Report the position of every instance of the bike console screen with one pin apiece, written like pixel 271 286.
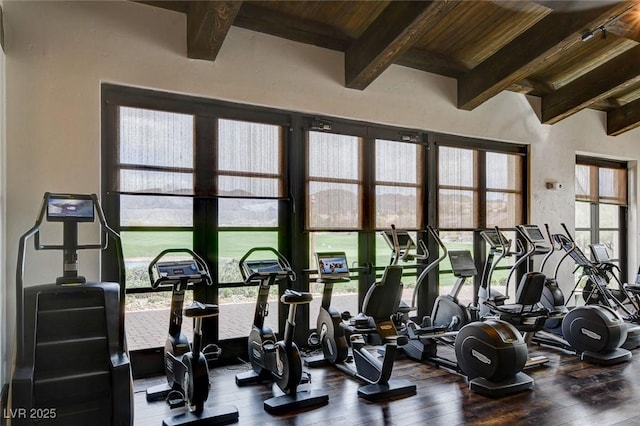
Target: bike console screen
pixel 332 265
pixel 263 266
pixel 178 269
pixel 69 208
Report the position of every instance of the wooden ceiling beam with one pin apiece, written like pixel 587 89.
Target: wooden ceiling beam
pixel 264 20
pixel 623 119
pixel 175 5
pixel 208 23
pixel 395 30
pixel 618 73
pixel 434 63
pixel 552 35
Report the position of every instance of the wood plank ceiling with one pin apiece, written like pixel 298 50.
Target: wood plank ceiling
pixel 571 54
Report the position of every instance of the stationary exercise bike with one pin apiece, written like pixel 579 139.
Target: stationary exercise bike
pixel 186 367
pixel 271 359
pixel 372 326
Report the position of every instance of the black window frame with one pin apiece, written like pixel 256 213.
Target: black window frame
pixel 293 237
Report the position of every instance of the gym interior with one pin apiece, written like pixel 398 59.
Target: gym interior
pixel 269 140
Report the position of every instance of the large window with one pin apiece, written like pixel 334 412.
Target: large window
pixel 601 200
pixel 398 181
pixel 155 163
pixel 334 180
pixel 190 178
pixel 222 178
pixel 249 182
pixel 480 186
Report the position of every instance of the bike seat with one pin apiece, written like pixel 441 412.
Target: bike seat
pixel 291 297
pixel 201 310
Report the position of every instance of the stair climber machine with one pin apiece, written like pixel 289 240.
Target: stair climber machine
pixel 373 326
pixel 491 354
pixel 186 365
pixel 272 359
pixel 595 333
pixel 71 361
pixel 596 291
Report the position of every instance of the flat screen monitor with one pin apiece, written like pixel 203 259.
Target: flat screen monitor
pixel 462 263
pixel 263 266
pixel 533 233
pixel 178 269
pixel 600 253
pixel 404 239
pixel 332 265
pixel 70 208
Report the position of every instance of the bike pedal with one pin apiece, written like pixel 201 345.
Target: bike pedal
pixel 212 352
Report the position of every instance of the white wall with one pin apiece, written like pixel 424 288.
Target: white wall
pixel 3 262
pixel 58 53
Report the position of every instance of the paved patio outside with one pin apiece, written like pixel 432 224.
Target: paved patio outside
pixel 148 328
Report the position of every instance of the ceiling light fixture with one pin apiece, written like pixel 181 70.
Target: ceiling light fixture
pixel 603 28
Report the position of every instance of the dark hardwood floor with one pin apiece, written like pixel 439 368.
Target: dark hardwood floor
pixel 567 391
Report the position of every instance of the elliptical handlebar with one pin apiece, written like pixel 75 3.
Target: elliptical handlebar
pixel 431 266
pixel 202 274
pixel 284 267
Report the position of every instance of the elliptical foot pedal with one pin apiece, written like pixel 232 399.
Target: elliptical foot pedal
pixel 518 383
pixel 393 389
pixel 222 415
pixel 299 401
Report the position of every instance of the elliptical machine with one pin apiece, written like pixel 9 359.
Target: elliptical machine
pixel 447 311
pixel 373 325
pixel 279 360
pixel 599 291
pixel 595 333
pixel 490 354
pixel 185 365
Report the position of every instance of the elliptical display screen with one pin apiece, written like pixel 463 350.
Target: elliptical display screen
pixel 492 238
pixel 462 263
pixel 70 208
pixel 332 265
pixel 534 233
pixel 600 253
pixel 404 239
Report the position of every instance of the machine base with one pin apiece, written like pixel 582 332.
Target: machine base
pixel 301 400
pixel 252 378
pixel 316 361
pixel 393 389
pixel 616 356
pixel 518 383
pixel 158 392
pixel 210 415
pixel 633 336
